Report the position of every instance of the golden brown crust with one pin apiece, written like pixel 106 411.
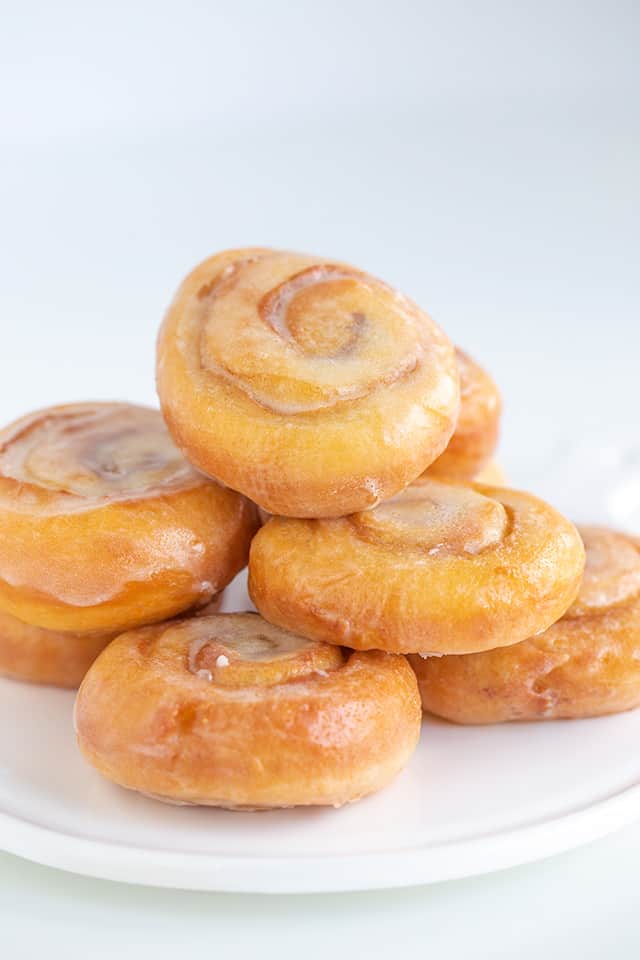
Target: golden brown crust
pixel 51 657
pixel 299 724
pixel 587 664
pixel 475 437
pixel 441 568
pixel 307 418
pixel 103 524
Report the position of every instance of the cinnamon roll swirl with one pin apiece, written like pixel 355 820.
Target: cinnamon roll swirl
pixel 230 711
pixel 104 525
pixel 308 385
pixel 441 568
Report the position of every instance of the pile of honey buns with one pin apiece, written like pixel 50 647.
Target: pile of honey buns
pixel 318 426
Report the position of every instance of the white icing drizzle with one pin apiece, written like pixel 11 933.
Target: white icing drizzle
pixel 439 517
pixel 94 452
pixel 276 316
pixel 246 319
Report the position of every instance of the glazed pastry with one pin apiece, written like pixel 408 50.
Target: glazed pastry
pixel 50 657
pixel 309 386
pixel 441 568
pixel 230 711
pixel 585 665
pixel 476 435
pixel 104 525
pixel 44 656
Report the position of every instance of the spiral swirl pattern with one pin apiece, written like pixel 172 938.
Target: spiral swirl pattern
pixel 104 525
pixel 300 337
pixel 436 519
pixel 310 386
pixel 231 711
pixel 91 452
pixel 237 651
pixel 440 568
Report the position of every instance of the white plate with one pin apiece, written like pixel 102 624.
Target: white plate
pixel 471 800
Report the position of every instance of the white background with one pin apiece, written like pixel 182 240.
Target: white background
pixel 483 157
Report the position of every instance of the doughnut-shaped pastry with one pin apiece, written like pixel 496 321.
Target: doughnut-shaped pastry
pixel 309 386
pixel 230 711
pixel 50 657
pixel 440 568
pixel 585 665
pixel 104 525
pixel 476 434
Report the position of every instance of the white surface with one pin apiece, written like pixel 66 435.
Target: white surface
pixel 536 789
pixel 483 157
pixel 577 906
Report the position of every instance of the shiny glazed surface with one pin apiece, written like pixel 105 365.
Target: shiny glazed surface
pixel 230 711
pixel 586 664
pixel 104 525
pixel 310 386
pixel 475 437
pixel 441 568
pixel 53 657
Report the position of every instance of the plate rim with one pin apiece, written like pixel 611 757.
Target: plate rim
pixel 312 873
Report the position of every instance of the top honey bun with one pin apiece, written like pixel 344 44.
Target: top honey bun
pixel 310 386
